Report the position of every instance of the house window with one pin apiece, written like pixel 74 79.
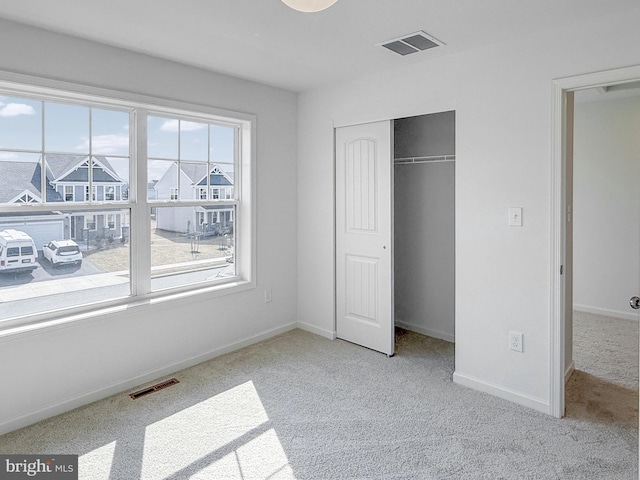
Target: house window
pixel 86 193
pixel 189 153
pixel 215 193
pixel 90 222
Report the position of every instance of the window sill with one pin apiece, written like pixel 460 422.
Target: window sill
pixel 43 323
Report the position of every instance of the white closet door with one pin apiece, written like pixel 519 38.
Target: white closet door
pixel 364 268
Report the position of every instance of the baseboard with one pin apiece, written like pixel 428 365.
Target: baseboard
pixel 136 381
pixel 331 335
pixel 426 331
pixel 606 312
pixel 502 392
pixel 570 369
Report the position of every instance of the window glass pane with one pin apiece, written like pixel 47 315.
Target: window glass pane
pixel 20 124
pixel 21 180
pixel 194 141
pixel 109 132
pixel 193 178
pixel 223 147
pixel 66 128
pixel 192 245
pixel 78 266
pixel 162 138
pixel 115 178
pixel 163 180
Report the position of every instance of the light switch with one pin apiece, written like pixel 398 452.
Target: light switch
pixel 515 216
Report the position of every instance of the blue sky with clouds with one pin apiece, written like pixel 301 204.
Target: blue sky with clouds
pixel 67 129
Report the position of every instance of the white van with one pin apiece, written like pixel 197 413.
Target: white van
pixel 17 252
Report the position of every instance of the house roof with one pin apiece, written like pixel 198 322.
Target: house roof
pixel 197 173
pixel 17 178
pixel 67 168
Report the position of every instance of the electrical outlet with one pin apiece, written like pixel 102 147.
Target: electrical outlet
pixel 267 295
pixel 515 341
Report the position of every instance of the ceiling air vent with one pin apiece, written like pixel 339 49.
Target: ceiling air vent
pixel 412 43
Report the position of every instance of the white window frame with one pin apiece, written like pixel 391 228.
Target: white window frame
pixel 106 220
pixel 94 218
pixel 140 106
pixel 173 193
pixel 73 192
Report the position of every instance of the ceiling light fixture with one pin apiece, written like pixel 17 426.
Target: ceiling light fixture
pixel 309 6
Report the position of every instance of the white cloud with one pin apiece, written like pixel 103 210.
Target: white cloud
pixel 107 144
pixel 172 126
pixel 15 109
pixel 7 156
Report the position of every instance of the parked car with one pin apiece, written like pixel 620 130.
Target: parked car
pixel 17 252
pixel 60 252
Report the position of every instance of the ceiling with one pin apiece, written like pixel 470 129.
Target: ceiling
pixel 265 41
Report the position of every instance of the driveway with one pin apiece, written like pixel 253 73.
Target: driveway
pixel 46 271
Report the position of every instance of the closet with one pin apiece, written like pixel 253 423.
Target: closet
pixel 424 224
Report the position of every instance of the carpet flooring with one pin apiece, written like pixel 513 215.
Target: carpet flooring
pixel 300 406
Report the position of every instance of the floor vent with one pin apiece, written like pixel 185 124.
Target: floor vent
pixel 153 388
pixel 412 43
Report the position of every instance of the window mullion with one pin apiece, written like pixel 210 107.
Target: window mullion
pixel 140 212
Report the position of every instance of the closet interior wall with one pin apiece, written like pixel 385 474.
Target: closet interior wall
pixel 424 236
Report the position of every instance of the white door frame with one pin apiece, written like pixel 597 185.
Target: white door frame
pixel 558 208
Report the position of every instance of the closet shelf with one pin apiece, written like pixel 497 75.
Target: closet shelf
pixel 436 158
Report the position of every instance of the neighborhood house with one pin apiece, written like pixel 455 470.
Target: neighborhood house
pixel 67 180
pixel 190 183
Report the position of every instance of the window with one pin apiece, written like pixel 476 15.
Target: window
pixel 74 151
pixel 86 193
pixel 187 158
pixel 90 222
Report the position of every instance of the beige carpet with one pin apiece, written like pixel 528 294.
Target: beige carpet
pixel 604 386
pixel 300 406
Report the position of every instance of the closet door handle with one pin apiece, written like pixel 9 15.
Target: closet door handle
pixel 635 303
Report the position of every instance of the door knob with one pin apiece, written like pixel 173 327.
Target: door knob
pixel 635 302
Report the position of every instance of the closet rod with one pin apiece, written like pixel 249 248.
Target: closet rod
pixel 436 158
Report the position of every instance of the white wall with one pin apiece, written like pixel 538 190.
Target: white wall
pixel 502 98
pixel 606 218
pixel 424 248
pixel 55 369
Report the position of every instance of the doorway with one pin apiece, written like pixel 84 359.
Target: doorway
pixel 424 224
pixel 395 229
pixel 562 223
pixel 605 255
